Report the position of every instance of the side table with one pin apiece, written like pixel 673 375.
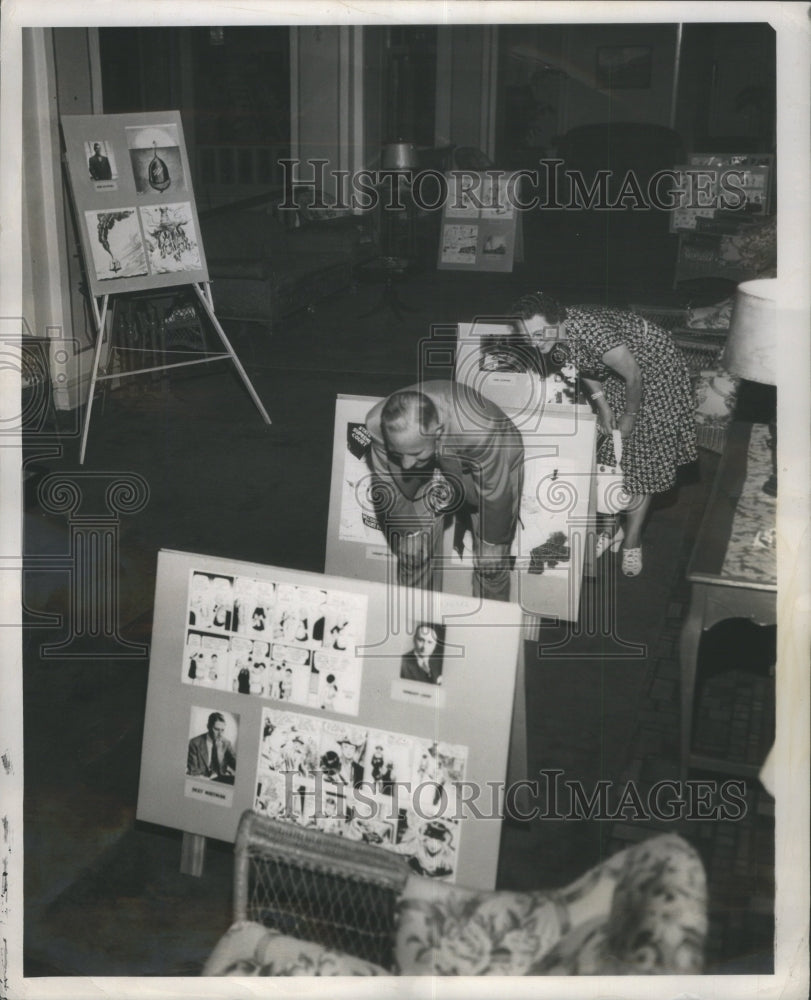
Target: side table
pixel 719 591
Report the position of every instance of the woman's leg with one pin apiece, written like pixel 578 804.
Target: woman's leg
pixel 634 519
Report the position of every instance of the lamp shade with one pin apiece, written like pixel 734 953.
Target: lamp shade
pixel 400 156
pixel 751 347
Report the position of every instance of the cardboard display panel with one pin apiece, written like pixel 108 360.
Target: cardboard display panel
pixel 342 704
pixel 135 209
pixel 481 226
pixel 556 513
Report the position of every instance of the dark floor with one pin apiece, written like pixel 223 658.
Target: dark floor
pixel 103 894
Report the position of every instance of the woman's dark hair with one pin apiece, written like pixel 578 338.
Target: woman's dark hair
pixel 537 303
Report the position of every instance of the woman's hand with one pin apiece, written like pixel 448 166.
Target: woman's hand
pixel 606 420
pixel 625 425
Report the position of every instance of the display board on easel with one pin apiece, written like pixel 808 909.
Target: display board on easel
pixel 555 517
pixel 312 683
pixel 133 197
pixel 482 226
pixel 135 207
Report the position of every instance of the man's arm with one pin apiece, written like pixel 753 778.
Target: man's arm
pixel 498 458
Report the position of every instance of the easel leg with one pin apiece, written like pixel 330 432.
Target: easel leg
pixel 205 301
pixel 192 854
pixel 517 761
pixel 100 320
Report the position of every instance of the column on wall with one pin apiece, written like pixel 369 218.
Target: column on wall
pixel 467 69
pixel 60 70
pixel 327 100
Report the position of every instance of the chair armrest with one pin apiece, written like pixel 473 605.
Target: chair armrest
pixel 249 949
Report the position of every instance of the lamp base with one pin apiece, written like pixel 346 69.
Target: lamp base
pixel 770 486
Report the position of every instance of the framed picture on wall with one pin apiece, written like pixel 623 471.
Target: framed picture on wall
pixel 623 67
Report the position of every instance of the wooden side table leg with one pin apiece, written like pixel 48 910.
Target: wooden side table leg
pixel 192 854
pixel 688 655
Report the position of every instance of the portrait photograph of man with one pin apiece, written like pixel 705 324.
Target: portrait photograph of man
pixel 423 662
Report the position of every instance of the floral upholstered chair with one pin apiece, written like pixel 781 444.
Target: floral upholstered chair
pixel 642 911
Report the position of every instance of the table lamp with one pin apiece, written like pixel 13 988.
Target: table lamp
pixel 751 347
pixel 400 156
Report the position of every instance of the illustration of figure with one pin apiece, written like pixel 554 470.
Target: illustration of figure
pixel 105 222
pixel 99 165
pixel 330 694
pixel 337 636
pixel 382 771
pixel 286 685
pixel 434 853
pixel 344 769
pixel 158 171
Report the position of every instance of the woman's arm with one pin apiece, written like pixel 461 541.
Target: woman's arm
pixel 605 415
pixel 620 360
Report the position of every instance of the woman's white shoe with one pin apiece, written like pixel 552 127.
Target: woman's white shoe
pixel 632 561
pixel 606 542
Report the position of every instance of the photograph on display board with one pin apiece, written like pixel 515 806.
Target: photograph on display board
pixel 423 662
pixel 171 238
pixel 359 522
pixel 116 244
pixel 101 164
pixel 211 757
pixel 459 244
pixel 157 166
pixel 507 351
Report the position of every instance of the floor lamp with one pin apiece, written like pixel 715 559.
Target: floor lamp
pixel 751 347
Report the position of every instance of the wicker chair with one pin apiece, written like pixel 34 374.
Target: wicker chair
pixel 310 904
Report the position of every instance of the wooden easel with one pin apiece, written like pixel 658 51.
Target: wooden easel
pixel 203 293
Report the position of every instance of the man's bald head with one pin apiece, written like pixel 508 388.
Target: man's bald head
pixel 410 424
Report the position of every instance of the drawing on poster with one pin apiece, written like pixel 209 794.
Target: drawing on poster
pixel 550 492
pixel 171 238
pixel 155 157
pixel 359 522
pixel 116 244
pixel 464 196
pixel 495 201
pixel 101 164
pixel 495 243
pixel 280 641
pixel 459 244
pixel 390 789
pixel 211 755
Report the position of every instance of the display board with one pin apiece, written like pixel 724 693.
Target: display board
pixel 743 182
pixel 481 227
pixel 337 704
pixel 556 511
pixel 509 371
pixel 135 210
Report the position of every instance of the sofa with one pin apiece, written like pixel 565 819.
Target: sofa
pixel 266 263
pixel 308 904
